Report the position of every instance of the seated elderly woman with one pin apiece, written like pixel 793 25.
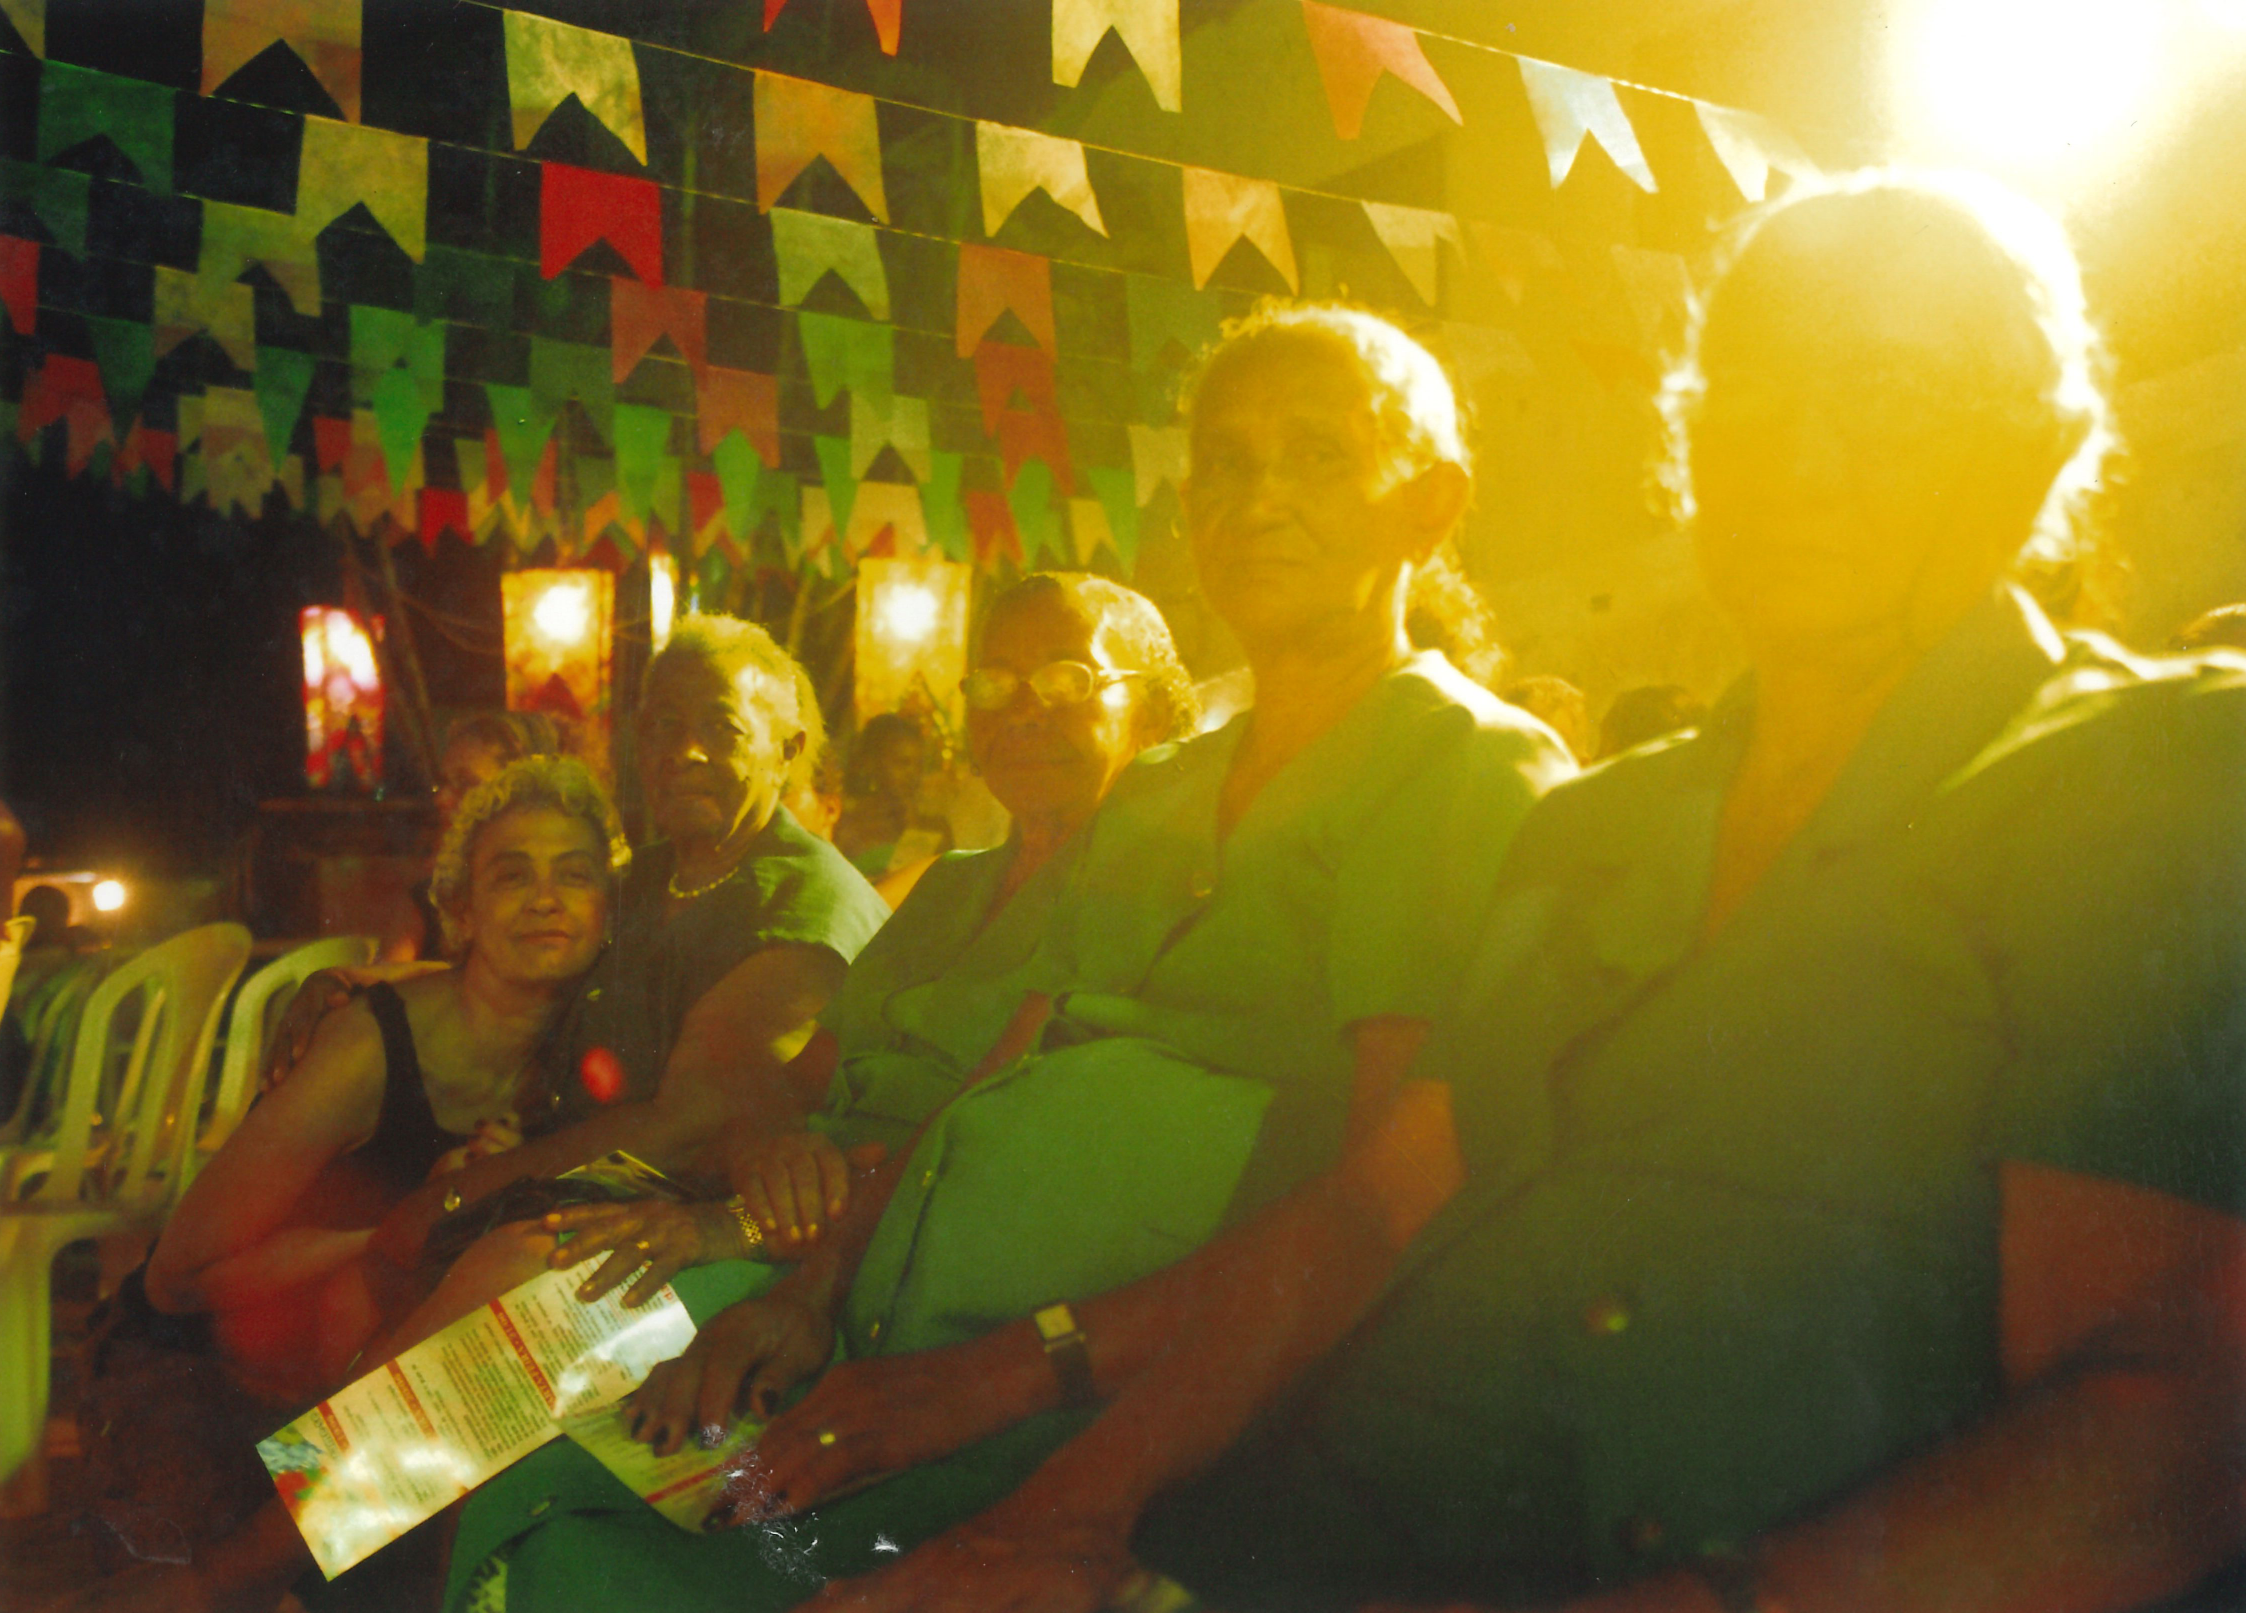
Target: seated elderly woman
pixel 1259 928
pixel 1848 1094
pixel 272 1236
pixel 1074 676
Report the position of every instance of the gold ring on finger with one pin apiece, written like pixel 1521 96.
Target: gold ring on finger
pixel 826 1436
pixel 643 1246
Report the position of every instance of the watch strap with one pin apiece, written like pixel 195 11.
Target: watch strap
pixel 1069 1352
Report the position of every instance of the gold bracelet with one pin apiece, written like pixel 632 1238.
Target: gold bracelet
pixel 752 1235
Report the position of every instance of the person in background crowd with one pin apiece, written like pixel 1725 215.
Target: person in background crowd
pixel 881 829
pixel 475 748
pixel 2223 628
pixel 1559 705
pixel 1646 713
pixel 1227 1005
pixel 1846 1097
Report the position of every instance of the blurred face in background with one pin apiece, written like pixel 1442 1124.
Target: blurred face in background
pixel 1058 757
pixel 467 762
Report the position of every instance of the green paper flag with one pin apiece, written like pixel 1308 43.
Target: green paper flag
pixel 76 104
pixel 283 379
pixel 58 195
pixel 834 470
pixel 714 580
pixel 778 493
pixel 1117 491
pixel 559 370
pixel 941 508
pixel 1163 311
pixel 126 351
pixel 383 339
pixel 808 245
pixel 467 288
pixel 738 470
pixel 642 441
pixel 847 353
pixel 401 415
pixel 1035 518
pixel 236 237
pixel 523 429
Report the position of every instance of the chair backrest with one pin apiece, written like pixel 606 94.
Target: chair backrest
pixel 182 985
pixel 248 1022
pixel 13 934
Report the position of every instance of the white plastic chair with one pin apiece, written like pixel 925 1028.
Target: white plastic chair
pixel 247 1025
pixel 121 1180
pixel 13 934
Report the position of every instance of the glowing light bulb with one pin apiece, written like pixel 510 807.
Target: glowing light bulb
pixel 109 895
pixel 2029 81
pixel 564 613
pixel 662 597
pixel 908 613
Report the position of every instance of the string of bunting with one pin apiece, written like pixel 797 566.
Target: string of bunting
pixel 232 444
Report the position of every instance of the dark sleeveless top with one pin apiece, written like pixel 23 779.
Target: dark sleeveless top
pixel 407 1140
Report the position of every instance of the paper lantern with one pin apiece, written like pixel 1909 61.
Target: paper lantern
pixel 560 629
pixel 342 700
pixel 912 635
pixel 662 597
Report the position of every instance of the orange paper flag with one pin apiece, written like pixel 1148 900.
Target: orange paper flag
pixel 323 33
pixel 1013 162
pixel 888 17
pixel 739 400
pixel 1353 50
pixel 639 314
pixel 993 281
pixel 1221 208
pixel 798 121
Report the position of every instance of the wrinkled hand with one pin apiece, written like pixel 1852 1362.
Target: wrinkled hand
pixel 662 1237
pixel 998 1563
pixel 492 1137
pixel 862 1421
pixel 796 1183
pixel 766 1345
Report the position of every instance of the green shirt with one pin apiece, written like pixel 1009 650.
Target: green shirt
pixel 1729 1245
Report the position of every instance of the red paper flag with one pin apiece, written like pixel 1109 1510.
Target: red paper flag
pixel 443 507
pixel 1353 50
pixel 158 450
pixel 1023 435
pixel 542 482
pixel 705 501
pixel 331 442
pixel 19 282
pixel 1001 371
pixel 577 206
pixel 640 314
pixel 993 281
pixel 888 18
pixel 67 389
pixel 991 519
pixel 743 401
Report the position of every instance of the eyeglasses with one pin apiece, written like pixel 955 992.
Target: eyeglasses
pixel 1057 683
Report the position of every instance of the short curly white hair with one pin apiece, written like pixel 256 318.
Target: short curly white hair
pixel 562 783
pixel 730 646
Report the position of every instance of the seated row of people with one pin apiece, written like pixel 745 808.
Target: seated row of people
pixel 1343 1158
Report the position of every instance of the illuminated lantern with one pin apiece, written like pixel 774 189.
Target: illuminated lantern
pixel 912 634
pixel 560 627
pixel 342 700
pixel 662 597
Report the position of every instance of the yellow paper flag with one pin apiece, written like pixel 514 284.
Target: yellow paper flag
pixel 798 121
pixel 323 33
pixel 1148 29
pixel 1221 208
pixel 345 164
pixel 184 306
pixel 1750 146
pixel 549 61
pixel 30 19
pixel 1014 162
pixel 1414 237
pixel 1569 105
pixel 236 237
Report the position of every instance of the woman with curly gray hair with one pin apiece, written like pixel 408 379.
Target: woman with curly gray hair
pixel 411 1081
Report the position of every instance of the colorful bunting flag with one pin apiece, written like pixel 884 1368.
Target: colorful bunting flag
pixel 888 17
pixel 522 431
pixel 236 237
pixel 1002 371
pixel 1221 208
pixel 1148 29
pixel 1569 105
pixel 186 304
pixel 382 339
pixel 1117 491
pixel 1750 146
pixel 990 520
pixel 70 390
pixel 728 401
pixel 444 509
pixel 562 370
pixel 323 33
pixel 156 452
pixel 878 423
pixel 809 245
pixel 125 350
pixel 344 164
pixel 643 442
pixel 1353 50
pixel 834 470
pixel 578 206
pixel 1158 454
pixel 468 288
pixel 941 511
pixel 799 121
pixel 849 353
pixel 19 283
pixel 549 61
pixel 995 281
pixel 1414 238
pixel 59 196
pixel 1037 521
pixel 1515 256
pixel 30 20
pixel 1025 438
pixel 1162 311
pixel 639 314
pixel 738 469
pixel 401 413
pixel 1088 529
pixel 886 519
pixel 237 465
pixel 1013 162
pixel 76 104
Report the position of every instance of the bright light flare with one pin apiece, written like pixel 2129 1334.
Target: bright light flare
pixel 108 895
pixel 908 613
pixel 2028 82
pixel 662 597
pixel 564 613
